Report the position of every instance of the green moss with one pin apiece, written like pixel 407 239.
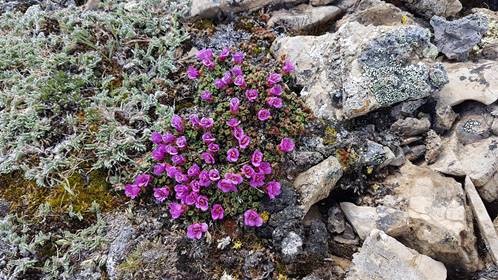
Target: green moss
pixel 330 135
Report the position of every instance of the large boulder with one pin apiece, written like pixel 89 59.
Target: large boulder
pixel 384 258
pixel 441 225
pixel 470 81
pixel 457 38
pixel 362 68
pixel 316 183
pixel 429 8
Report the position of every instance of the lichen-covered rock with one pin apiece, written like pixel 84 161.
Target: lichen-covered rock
pixel 292 246
pixel 214 8
pixel 488 47
pixel 364 219
pixel 474 125
pixel 120 235
pixel 429 8
pixel 362 68
pixel 384 258
pixel 444 118
pixel 470 81
pixel 317 241
pixel 441 226
pixel 316 183
pixel 457 38
pixel 433 146
pixel 377 155
pixel 411 126
pixel 304 17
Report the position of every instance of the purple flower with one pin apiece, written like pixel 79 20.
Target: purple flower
pixel 227 78
pixel 276 90
pixel 264 114
pixel 159 169
pixel 202 203
pixel 240 82
pixel 214 175
pixel 180 177
pixel 177 123
pixel 226 186
pixel 234 178
pixel 286 145
pixel 176 210
pixel 233 155
pixel 224 54
pixel 288 67
pixel 206 123
pixel 181 142
pixel 191 198
pixel 205 54
pixel 275 102
pixel 208 158
pixel 196 230
pixel 178 159
pixel 208 138
pixel 256 158
pixel 219 84
pixel 194 170
pixel 273 189
pixel 244 142
pixel 161 193
pixel 209 64
pixel 171 150
pixel 233 122
pixel 195 186
pixel 192 73
pixel 194 120
pixel 238 57
pixel 206 96
pixel 213 148
pixel 257 180
pixel 171 171
pixel 132 191
pixel 217 212
pixel 168 138
pixel 248 171
pixel 159 153
pixel 204 179
pixel 156 137
pixel 237 70
pixel 252 94
pixel 252 218
pixel 273 79
pixel 265 167
pixel 143 180
pixel 234 105
pixel 181 191
pixel 238 132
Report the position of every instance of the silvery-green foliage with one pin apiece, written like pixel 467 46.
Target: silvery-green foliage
pixel 79 89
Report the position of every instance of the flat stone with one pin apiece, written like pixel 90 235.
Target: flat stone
pixel 384 258
pixel 430 8
pixel 470 81
pixel 316 183
pixel 304 17
pixel 486 227
pixel 411 126
pixel 377 12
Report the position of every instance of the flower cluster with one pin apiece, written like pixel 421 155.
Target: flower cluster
pixel 234 150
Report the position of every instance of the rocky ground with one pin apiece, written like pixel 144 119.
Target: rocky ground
pixel 396 177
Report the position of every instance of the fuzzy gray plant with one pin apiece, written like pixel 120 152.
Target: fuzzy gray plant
pixel 81 90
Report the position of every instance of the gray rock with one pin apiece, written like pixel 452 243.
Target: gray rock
pixel 214 8
pixel 489 273
pixel 489 191
pixel 335 221
pixel 4 208
pixel 456 38
pixel 317 242
pixel 470 81
pixel 364 219
pixel 444 118
pixel 383 257
pixel 433 147
pixel 304 17
pixel 411 126
pixel 473 126
pixel 318 3
pixel 292 246
pixel 494 126
pixel 407 108
pixel 370 67
pixel 416 152
pixel 377 155
pixel 316 183
pixel 429 8
pixel 257 266
pixel 377 12
pixel 121 233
